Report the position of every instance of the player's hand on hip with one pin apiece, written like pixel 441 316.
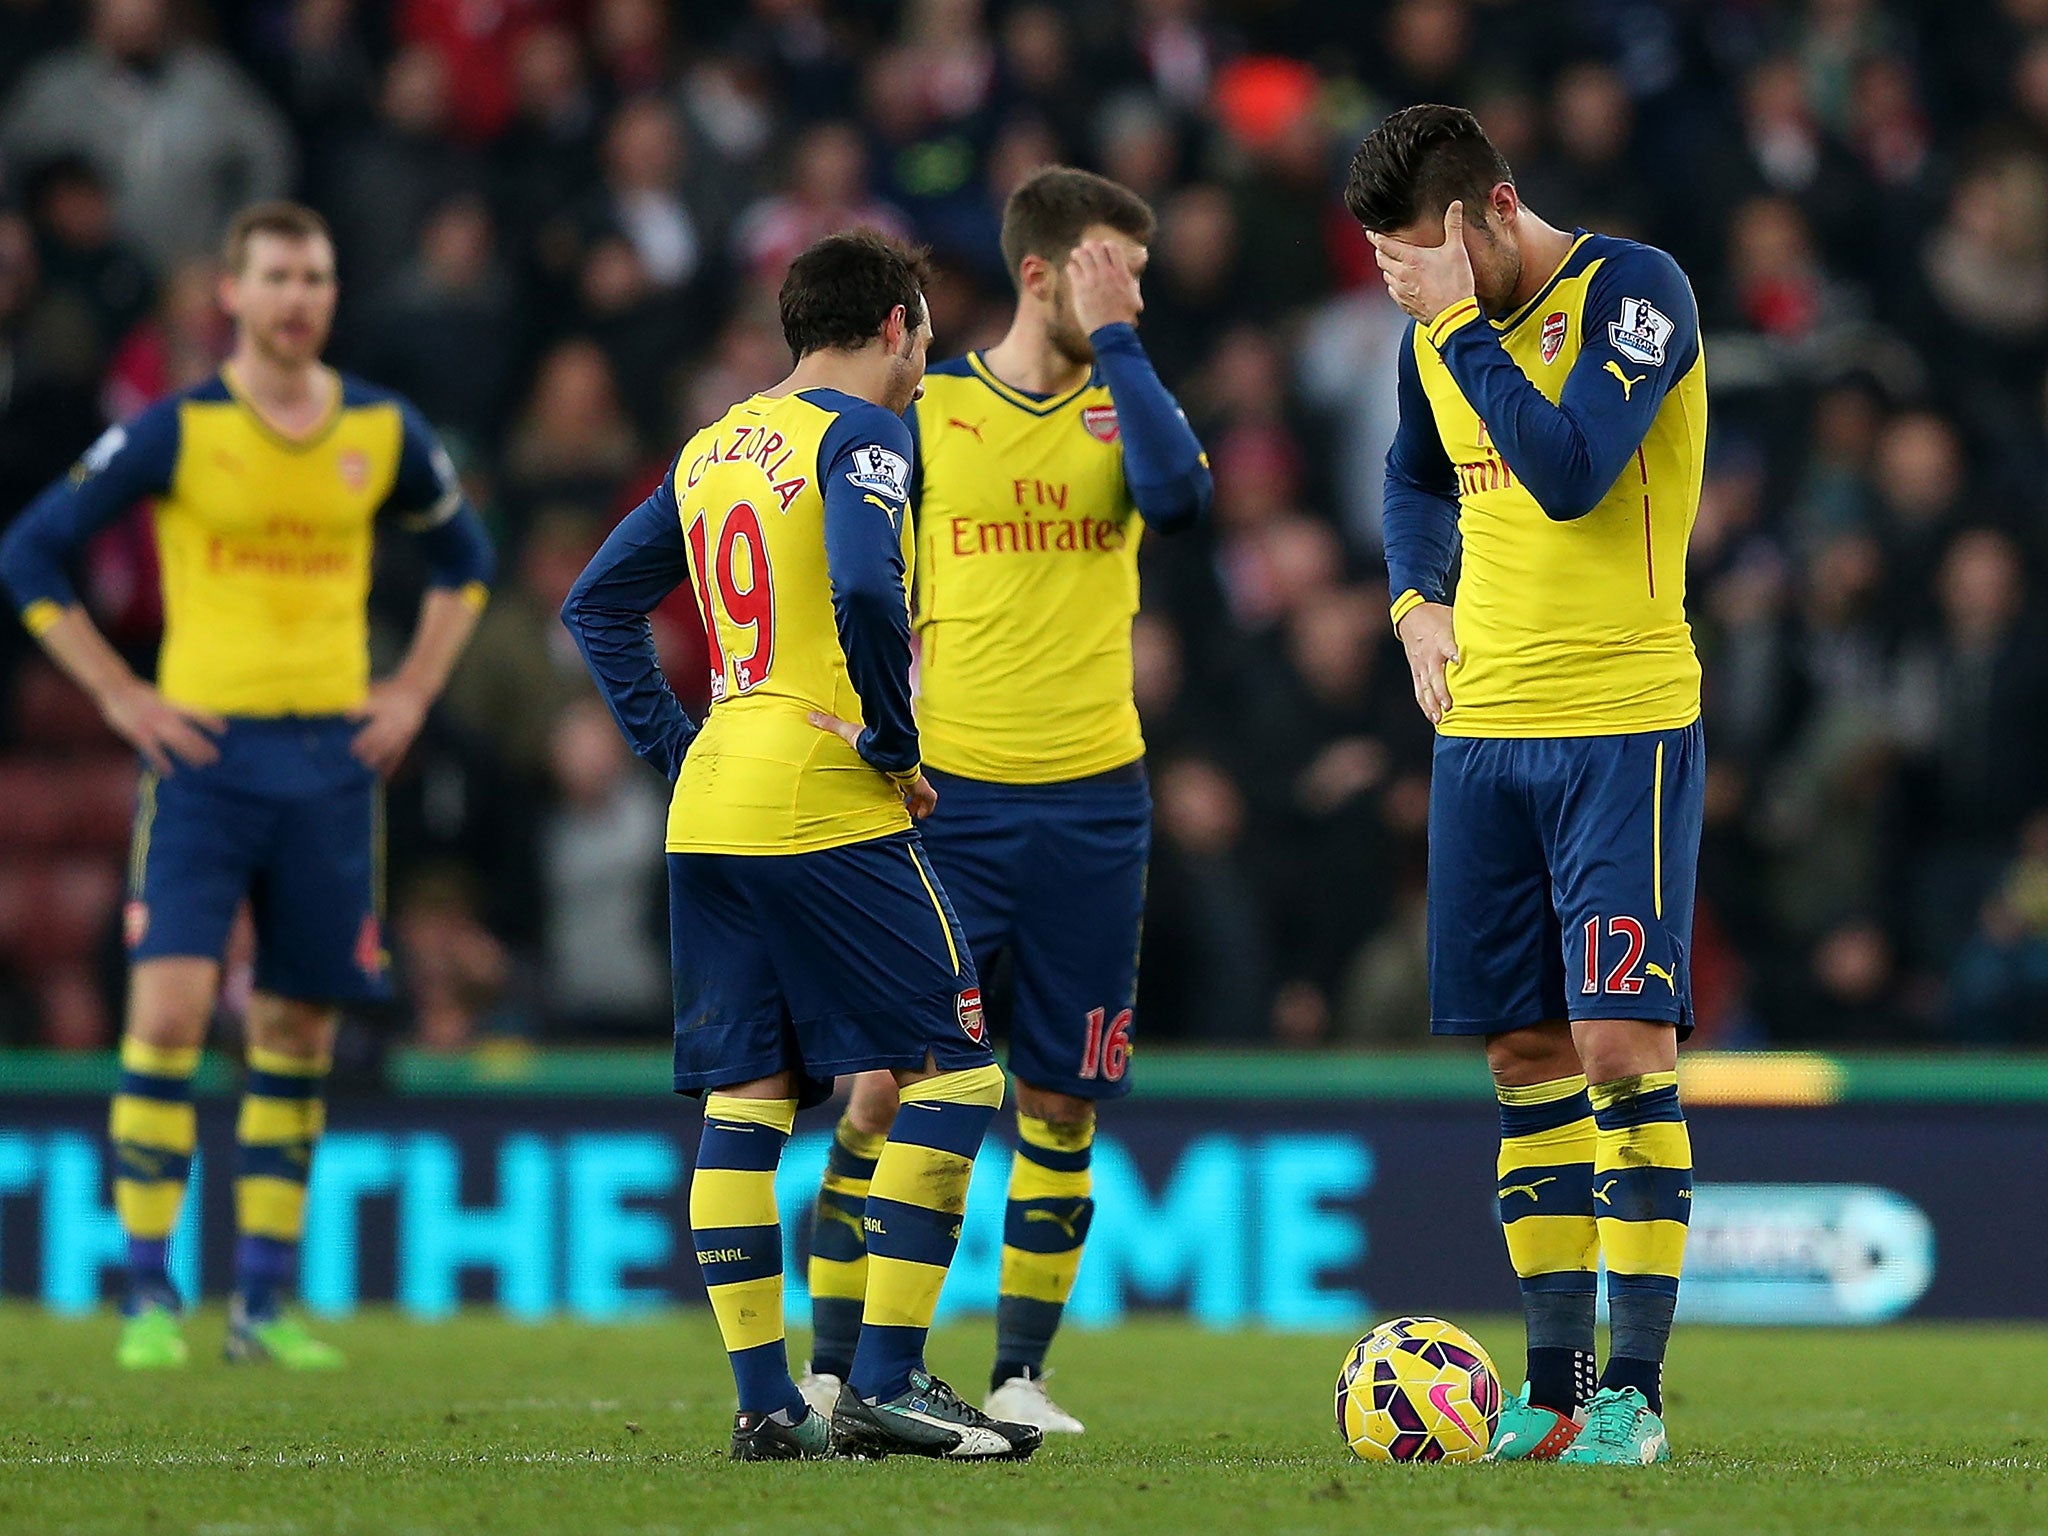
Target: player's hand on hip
pixel 1426 634
pixel 1426 280
pixel 1104 287
pixel 392 716
pixel 919 798
pixel 164 733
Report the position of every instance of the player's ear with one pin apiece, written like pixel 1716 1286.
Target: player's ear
pixel 1505 204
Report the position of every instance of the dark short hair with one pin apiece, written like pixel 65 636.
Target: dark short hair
pixel 1417 163
pixel 295 221
pixel 1046 215
pixel 839 291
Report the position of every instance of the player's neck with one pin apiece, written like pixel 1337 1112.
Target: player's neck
pixel 1026 359
pixel 862 374
pixel 1544 248
pixel 292 396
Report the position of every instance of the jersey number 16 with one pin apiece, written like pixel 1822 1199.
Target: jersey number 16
pixel 748 608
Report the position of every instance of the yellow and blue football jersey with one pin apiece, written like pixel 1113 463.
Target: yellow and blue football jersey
pixel 1565 443
pixel 787 518
pixel 264 540
pixel 1029 515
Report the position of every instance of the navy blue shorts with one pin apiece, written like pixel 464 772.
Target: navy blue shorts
pixel 1055 875
pixel 1561 876
pixel 845 960
pixel 288 820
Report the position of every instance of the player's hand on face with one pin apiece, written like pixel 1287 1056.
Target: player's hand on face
pixel 919 798
pixel 164 733
pixel 1427 280
pixel 1104 287
pixel 392 716
pixel 1427 636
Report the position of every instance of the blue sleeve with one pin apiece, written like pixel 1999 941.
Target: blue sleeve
pixel 1641 336
pixel 1419 513
pixel 426 496
pixel 1164 466
pixel 864 471
pixel 643 561
pixel 126 464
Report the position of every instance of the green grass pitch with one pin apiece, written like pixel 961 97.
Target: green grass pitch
pixel 485 1425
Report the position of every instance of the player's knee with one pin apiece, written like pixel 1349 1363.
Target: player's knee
pixel 290 1027
pixel 1055 1108
pixel 1541 1053
pixel 871 1107
pixel 170 1001
pixel 1616 1048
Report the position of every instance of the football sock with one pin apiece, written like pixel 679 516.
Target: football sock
pixel 1546 1209
pixel 913 1220
pixel 1642 1188
pixel 1044 1227
pixel 154 1131
pixel 839 1248
pixel 738 1231
pixel 282 1117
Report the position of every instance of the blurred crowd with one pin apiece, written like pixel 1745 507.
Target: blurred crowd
pixel 561 224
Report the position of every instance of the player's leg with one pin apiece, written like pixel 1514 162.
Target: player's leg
pixel 154 1130
pixel 1080 915
pixel 195 846
pixel 1494 972
pixel 283 1113
pixel 733 1045
pixel 1625 859
pixel 1545 1196
pixel 317 900
pixel 839 1247
pixel 877 973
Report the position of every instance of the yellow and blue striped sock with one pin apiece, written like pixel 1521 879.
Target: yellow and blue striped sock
pixel 282 1117
pixel 839 1248
pixel 154 1131
pixel 913 1221
pixel 1642 1188
pixel 738 1231
pixel 1546 1210
pixel 1044 1227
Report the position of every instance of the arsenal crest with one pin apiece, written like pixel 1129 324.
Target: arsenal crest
pixel 354 465
pixel 967 1008
pixel 1553 334
pixel 1100 420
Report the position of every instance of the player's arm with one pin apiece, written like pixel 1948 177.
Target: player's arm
pixel 864 472
pixel 127 464
pixel 1164 465
pixel 427 499
pixel 643 561
pixel 1570 454
pixel 1419 526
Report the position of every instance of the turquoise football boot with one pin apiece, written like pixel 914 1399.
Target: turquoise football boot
pixel 1526 1432
pixel 1620 1430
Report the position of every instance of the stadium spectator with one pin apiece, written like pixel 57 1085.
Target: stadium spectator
pixel 180 133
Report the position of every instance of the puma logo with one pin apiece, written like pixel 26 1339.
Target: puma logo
pixel 1064 1223
pixel 967 426
pixel 1658 971
pixel 1526 1189
pixel 149 1164
pixel 844 1218
pixel 1600 1191
pixel 876 501
pixel 1627 384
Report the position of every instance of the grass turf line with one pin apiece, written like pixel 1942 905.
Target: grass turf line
pixel 485 1425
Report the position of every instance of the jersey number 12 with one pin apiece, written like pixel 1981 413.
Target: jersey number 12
pixel 749 608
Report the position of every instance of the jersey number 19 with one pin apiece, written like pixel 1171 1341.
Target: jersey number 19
pixel 749 608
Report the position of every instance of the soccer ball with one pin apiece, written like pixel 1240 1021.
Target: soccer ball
pixel 1418 1389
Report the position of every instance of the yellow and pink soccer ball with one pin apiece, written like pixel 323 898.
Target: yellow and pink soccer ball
pixel 1418 1389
